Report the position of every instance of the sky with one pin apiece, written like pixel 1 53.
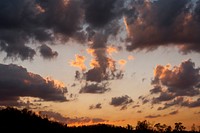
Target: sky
pixel 117 62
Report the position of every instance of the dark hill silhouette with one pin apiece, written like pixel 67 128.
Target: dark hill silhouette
pixel 15 120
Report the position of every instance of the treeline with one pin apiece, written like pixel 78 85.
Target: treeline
pixel 13 119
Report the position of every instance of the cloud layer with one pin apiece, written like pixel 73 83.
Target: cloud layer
pixel 67 120
pixel 174 86
pixel 149 24
pixel 17 82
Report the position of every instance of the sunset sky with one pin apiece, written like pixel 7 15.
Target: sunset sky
pixel 102 61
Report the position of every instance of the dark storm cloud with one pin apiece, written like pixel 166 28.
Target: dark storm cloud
pixel 166 22
pixel 17 82
pixel 42 21
pixel 150 24
pixel 100 55
pixel 99 13
pixel 95 88
pixel 122 101
pixel 67 120
pixel 97 106
pixel 46 52
pixel 64 19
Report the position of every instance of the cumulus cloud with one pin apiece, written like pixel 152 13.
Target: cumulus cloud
pixel 97 106
pixel 46 52
pixel 18 82
pixel 95 88
pixel 67 120
pixel 176 86
pixel 165 22
pixel 122 101
pixel 181 80
pixel 41 21
pixel 149 24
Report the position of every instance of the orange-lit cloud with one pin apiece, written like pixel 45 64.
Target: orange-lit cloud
pixel 111 64
pixel 122 63
pixel 174 87
pixel 94 63
pixel 66 2
pixel 126 26
pixel 130 57
pixel 79 62
pixel 90 51
pixel 40 9
pixel 111 49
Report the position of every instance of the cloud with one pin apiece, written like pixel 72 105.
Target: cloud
pixel 25 22
pixel 97 106
pixel 152 116
pixel 67 120
pixel 136 106
pixel 149 24
pixel 46 52
pixel 18 82
pixel 176 79
pixel 95 88
pixel 173 87
pixel 122 101
pixel 156 89
pixel 99 13
pixel 139 111
pixel 174 112
pixel 163 23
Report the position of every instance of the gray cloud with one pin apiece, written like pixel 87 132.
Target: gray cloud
pixel 176 79
pixel 67 120
pixel 42 21
pixel 175 86
pixel 174 112
pixel 156 89
pixel 122 101
pixel 46 52
pixel 136 106
pixel 18 82
pixel 151 24
pixel 99 13
pixel 97 106
pixel 152 116
pixel 95 88
pixel 163 23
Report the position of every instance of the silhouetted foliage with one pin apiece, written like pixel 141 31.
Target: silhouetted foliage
pixel 12 119
pixel 21 120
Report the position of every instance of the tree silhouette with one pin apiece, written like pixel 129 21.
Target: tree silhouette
pixel 143 126
pixel 27 121
pixel 179 127
pixel 193 128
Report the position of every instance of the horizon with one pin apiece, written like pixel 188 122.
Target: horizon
pixel 102 61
